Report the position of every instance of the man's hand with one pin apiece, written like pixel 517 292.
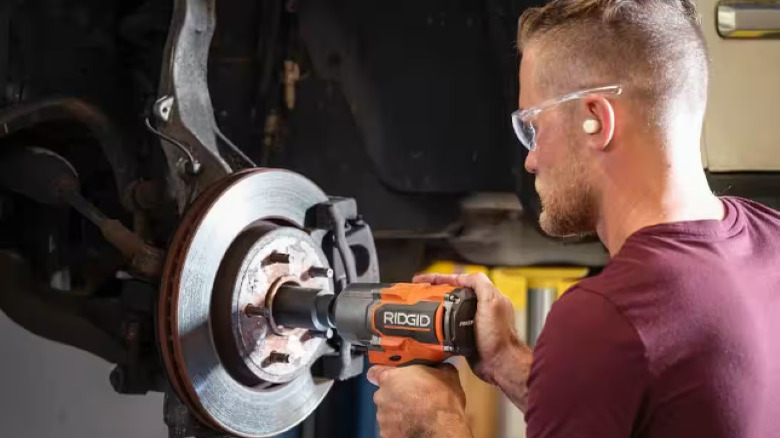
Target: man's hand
pixel 419 401
pixel 503 359
pixel 494 323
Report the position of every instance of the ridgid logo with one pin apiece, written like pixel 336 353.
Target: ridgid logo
pixel 404 319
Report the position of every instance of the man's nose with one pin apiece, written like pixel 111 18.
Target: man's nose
pixel 530 162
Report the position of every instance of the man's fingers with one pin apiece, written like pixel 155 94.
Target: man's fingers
pixel 463 280
pixel 377 373
pixel 379 397
pixel 480 282
pixel 423 278
pixel 436 279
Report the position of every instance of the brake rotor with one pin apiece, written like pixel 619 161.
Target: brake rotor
pixel 228 361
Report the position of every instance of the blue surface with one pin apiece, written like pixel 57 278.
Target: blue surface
pixel 366 419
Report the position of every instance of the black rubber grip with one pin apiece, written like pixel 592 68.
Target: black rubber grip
pixel 459 322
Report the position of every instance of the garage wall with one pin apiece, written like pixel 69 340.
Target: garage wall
pixel 51 390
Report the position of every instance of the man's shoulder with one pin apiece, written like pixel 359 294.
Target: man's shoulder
pixel 641 285
pixel 751 205
pixel 755 212
pixel 671 256
pixel 640 268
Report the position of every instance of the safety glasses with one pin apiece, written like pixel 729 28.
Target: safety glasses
pixel 522 120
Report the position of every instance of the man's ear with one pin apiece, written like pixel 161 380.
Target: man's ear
pixel 598 123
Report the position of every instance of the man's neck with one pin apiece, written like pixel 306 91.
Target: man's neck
pixel 650 195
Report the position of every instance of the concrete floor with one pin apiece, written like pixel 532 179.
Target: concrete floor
pixel 48 390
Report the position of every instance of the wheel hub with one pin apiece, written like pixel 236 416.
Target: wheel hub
pixel 262 258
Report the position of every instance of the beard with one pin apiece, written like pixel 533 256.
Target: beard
pixel 568 199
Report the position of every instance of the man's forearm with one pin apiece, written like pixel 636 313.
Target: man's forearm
pixel 512 374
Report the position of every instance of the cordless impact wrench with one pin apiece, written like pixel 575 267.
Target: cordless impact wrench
pixel 398 324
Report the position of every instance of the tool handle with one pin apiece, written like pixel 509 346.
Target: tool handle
pixel 460 311
pixel 423 324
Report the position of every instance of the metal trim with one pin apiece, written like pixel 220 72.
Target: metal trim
pixel 748 19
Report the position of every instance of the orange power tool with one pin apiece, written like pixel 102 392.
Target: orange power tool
pixel 399 324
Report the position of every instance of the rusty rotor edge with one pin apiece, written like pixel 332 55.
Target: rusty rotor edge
pixel 167 320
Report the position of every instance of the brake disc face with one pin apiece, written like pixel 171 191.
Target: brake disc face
pixel 230 364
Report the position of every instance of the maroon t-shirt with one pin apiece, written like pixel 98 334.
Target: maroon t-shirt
pixel 679 336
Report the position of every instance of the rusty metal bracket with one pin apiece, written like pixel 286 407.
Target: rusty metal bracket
pixel 183 110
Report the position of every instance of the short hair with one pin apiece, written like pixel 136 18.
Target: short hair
pixel 655 48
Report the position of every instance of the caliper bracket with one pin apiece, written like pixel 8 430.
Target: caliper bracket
pixel 349 246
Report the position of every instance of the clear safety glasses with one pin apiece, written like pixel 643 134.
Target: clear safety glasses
pixel 522 120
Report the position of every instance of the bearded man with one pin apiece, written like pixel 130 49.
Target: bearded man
pixel 678 335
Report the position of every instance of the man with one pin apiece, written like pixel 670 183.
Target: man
pixel 679 336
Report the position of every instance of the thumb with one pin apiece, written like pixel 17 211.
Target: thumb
pixel 377 373
pixel 449 370
pixel 447 367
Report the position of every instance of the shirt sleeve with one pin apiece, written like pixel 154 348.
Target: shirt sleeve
pixel 589 372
